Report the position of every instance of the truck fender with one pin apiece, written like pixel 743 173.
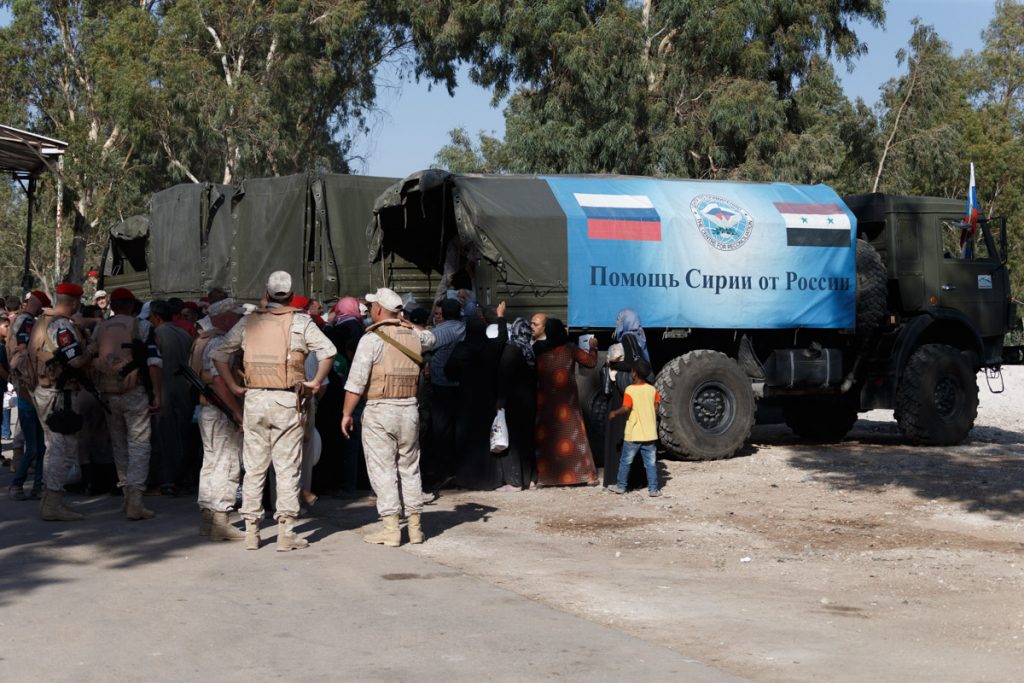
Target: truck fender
pixel 965 336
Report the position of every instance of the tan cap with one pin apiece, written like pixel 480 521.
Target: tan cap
pixel 279 284
pixel 387 299
pixel 100 294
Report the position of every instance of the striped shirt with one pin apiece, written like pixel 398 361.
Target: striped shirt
pixel 446 336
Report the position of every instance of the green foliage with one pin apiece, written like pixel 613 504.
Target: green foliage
pixel 922 148
pixel 994 128
pixel 264 88
pixel 737 89
pixel 150 93
pixel 461 155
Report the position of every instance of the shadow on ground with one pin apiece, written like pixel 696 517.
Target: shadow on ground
pixel 985 474
pixel 359 513
pixel 35 554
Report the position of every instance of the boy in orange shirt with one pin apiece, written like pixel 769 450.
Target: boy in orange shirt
pixel 641 403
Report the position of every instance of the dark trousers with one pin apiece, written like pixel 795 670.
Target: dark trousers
pixel 443 460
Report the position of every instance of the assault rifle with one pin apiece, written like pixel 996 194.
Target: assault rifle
pixel 69 373
pixel 206 391
pixel 140 362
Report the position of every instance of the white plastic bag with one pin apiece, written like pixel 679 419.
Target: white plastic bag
pixel 499 433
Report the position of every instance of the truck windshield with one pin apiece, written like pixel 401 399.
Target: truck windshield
pixel 953 236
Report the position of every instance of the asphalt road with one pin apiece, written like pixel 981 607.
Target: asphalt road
pixel 116 600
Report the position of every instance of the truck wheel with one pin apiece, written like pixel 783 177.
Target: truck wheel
pixel 707 406
pixel 871 288
pixel 937 398
pixel 820 419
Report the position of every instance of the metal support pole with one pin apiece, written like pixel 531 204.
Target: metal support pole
pixel 26 276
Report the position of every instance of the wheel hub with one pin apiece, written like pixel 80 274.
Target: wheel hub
pixel 946 397
pixel 713 407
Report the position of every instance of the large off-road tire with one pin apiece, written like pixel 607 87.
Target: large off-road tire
pixel 820 419
pixel 707 406
pixel 871 289
pixel 937 396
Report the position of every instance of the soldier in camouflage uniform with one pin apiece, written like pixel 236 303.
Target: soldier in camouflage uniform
pixel 130 406
pixel 222 442
pixel 23 379
pixel 274 341
pixel 386 369
pixel 54 337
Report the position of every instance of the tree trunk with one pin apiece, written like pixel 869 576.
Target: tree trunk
pixel 76 250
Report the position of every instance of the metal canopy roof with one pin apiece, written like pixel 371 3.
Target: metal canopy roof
pixel 28 155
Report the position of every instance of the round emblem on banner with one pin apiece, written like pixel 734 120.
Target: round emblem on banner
pixel 723 224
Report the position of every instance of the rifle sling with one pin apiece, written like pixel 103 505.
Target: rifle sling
pixel 407 352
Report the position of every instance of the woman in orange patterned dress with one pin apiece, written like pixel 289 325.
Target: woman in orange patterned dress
pixel 563 451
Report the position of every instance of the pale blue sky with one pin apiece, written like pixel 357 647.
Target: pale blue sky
pixel 412 120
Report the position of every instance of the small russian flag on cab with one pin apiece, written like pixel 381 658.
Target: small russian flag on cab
pixel 620 217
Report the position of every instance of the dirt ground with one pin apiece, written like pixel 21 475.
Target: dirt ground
pixel 871 559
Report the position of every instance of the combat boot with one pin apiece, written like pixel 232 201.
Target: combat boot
pixel 221 528
pixel 287 539
pixel 414 528
pixel 52 510
pixel 252 534
pixel 205 521
pixel 390 535
pixel 134 509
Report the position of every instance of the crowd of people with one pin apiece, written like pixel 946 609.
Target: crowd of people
pixel 250 407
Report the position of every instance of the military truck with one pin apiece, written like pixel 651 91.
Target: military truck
pixel 199 235
pixel 770 294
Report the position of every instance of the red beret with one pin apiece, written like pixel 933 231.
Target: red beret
pixel 93 273
pixel 122 294
pixel 191 304
pixel 300 301
pixel 41 297
pixel 69 289
pixel 204 299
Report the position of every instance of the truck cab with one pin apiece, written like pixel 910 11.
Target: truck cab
pixel 963 294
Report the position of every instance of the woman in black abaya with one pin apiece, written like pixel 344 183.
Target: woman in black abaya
pixel 517 394
pixel 474 364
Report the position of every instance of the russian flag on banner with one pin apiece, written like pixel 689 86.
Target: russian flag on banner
pixel 815 225
pixel 620 217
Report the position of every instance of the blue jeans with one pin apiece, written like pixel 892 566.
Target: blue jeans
pixel 7 424
pixel 647 452
pixel 35 447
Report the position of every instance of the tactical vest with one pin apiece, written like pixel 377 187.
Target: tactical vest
pixel 195 356
pixel 396 376
pixel 41 350
pixel 268 360
pixel 111 336
pixel 23 374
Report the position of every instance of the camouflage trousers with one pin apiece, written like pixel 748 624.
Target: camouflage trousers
pixel 391 444
pixel 222 460
pixel 273 434
pixel 61 449
pixel 129 425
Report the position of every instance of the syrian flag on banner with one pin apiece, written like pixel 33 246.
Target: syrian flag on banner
pixel 815 225
pixel 970 228
pixel 620 217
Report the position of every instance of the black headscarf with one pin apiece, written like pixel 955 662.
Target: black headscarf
pixel 556 336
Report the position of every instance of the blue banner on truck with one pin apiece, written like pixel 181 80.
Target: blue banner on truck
pixel 708 254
